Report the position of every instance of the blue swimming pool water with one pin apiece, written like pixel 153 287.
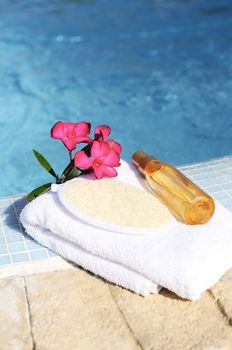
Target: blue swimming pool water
pixel 159 72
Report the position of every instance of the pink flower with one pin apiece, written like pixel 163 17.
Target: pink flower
pixel 101 133
pixel 71 133
pixel 103 160
pixel 115 145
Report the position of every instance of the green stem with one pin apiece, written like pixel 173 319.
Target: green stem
pixel 70 155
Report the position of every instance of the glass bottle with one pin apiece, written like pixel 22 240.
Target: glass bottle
pixel 185 199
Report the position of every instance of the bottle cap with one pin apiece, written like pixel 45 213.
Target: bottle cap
pixel 141 159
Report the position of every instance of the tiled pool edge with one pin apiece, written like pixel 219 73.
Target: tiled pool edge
pixel 20 254
pixel 35 267
pixel 213 176
pixel 15 245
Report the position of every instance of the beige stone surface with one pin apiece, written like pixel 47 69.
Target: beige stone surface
pixel 222 293
pixel 72 310
pixel 167 322
pixel 14 318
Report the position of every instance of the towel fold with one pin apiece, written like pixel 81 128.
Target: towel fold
pixel 185 259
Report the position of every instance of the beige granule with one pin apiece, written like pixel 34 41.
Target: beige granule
pixel 115 202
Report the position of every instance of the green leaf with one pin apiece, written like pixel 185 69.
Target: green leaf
pixel 60 179
pixel 68 168
pixel 38 191
pixel 87 149
pixel 71 174
pixel 45 164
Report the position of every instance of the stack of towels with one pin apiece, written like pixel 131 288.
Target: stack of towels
pixel 184 259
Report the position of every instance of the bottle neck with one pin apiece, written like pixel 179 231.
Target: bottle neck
pixel 144 161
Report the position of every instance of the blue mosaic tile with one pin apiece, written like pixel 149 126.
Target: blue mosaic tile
pixel 221 195
pixel 17 237
pixel 32 245
pixel 12 229
pixel 212 174
pixel 16 247
pixel 2 239
pixel 199 177
pixel 216 166
pixel 213 189
pixel 228 172
pixel 4 260
pixel 3 211
pixel 226 186
pixel 191 172
pixel 10 220
pixel 5 202
pixel 227 202
pixel 51 253
pixel 205 182
pixel 21 257
pixel 39 255
pixel 3 249
pixel 223 179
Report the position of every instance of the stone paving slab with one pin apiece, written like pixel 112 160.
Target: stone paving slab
pixel 73 310
pixel 167 322
pixel 14 319
pixel 222 293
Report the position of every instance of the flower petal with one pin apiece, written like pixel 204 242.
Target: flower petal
pixel 98 172
pixel 80 139
pixel 81 160
pixel 69 128
pixel 82 128
pixel 69 144
pixel 77 132
pixel 57 131
pixel 102 132
pixel 108 171
pixel 111 159
pixel 99 149
pixel 115 145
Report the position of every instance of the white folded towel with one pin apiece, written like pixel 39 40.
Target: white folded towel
pixel 185 259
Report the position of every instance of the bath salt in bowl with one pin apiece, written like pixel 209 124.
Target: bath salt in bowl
pixel 113 205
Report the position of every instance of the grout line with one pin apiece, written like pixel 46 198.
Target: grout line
pixel 220 308
pixel 20 227
pixel 29 315
pixel 209 163
pixel 6 243
pixel 125 320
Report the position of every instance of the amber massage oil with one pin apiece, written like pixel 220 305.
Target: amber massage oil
pixel 185 199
